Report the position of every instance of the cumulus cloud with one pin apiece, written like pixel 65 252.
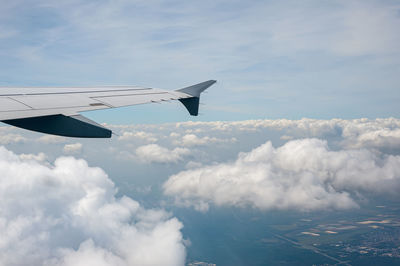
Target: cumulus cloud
pixel 11 138
pixel 174 135
pixel 379 138
pixel 51 139
pixel 302 175
pixel 193 140
pixel 158 154
pixel 192 164
pixel 41 157
pixel 378 133
pixel 72 148
pixel 68 214
pixel 286 137
pixel 128 135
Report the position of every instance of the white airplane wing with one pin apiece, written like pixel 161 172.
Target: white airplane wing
pixel 57 110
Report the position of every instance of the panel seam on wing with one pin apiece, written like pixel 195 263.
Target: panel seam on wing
pixel 21 102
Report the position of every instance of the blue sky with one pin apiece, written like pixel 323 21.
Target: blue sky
pixel 273 59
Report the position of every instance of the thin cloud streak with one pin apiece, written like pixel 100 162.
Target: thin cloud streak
pixel 311 55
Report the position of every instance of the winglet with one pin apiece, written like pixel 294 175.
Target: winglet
pixel 192 103
pixel 195 90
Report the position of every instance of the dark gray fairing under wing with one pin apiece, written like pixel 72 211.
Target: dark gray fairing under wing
pixel 191 104
pixel 67 126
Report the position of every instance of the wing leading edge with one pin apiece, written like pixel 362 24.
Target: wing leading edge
pixel 56 110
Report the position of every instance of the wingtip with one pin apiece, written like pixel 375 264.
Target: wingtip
pixel 197 89
pixel 211 81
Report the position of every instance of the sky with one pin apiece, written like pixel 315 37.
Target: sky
pixel 304 119
pixel 272 59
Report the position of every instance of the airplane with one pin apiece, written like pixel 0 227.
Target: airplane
pixel 57 111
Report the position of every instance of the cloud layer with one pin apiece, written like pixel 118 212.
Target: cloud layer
pixel 301 175
pixel 205 148
pixel 381 133
pixel 68 214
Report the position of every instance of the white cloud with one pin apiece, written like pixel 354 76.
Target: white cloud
pixel 68 214
pixel 155 153
pixel 286 137
pixel 11 138
pixel 87 254
pixel 192 164
pixel 51 139
pixel 301 175
pixel 127 135
pixel 192 140
pixel 380 138
pixel 378 133
pixel 72 148
pixel 41 157
pixel 302 127
pixel 174 135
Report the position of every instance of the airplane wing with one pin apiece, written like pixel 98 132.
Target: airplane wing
pixel 57 110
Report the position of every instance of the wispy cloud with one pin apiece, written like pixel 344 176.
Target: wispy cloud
pixel 335 56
